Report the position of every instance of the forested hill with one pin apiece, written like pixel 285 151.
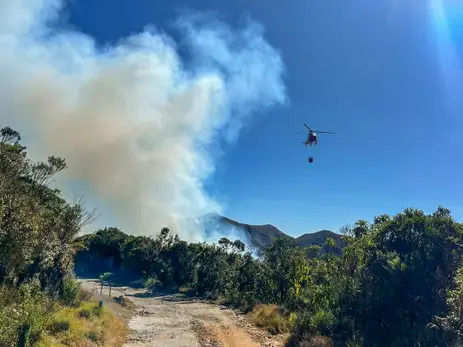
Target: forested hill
pixel 262 236
pixel 318 239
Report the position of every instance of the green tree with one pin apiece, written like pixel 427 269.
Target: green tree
pixel 278 257
pixel 37 226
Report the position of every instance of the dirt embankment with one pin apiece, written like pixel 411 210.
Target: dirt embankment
pixel 177 321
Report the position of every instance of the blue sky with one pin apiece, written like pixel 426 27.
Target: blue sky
pixel 384 75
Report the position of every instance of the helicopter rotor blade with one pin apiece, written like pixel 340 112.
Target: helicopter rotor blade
pixel 323 132
pixel 307 127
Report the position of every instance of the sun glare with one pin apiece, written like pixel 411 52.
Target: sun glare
pixel 445 15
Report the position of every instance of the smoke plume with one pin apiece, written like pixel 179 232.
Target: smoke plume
pixel 135 122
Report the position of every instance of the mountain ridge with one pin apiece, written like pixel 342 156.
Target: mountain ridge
pixel 261 236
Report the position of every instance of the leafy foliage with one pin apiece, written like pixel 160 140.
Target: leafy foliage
pixel 70 294
pixel 24 314
pixel 37 226
pixel 388 287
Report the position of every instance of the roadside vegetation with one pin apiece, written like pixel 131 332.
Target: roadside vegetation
pixel 397 282
pixel 31 318
pixel 272 318
pixel 41 303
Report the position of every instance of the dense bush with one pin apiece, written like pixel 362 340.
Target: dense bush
pixel 37 230
pixel 396 282
pixel 70 293
pixel 394 276
pixel 37 226
pixel 24 314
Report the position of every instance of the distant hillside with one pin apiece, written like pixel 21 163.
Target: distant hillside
pixel 261 236
pixel 318 238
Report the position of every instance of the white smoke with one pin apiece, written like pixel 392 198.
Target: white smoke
pixel 135 123
pixel 215 228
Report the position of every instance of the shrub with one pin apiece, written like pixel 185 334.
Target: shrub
pixel 184 290
pixel 85 295
pixel 88 310
pixel 313 324
pixel 70 294
pixel 322 322
pixel 24 313
pixel 152 284
pixel 59 327
pixel 124 302
pixel 85 313
pixel 271 318
pixel 95 337
pixel 317 341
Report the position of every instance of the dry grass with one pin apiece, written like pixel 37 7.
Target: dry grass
pixel 271 318
pixel 85 295
pixel 124 302
pixel 317 341
pixel 184 290
pixel 86 326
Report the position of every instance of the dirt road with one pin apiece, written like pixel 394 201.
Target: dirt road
pixel 177 321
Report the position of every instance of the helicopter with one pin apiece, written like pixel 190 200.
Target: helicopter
pixel 312 139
